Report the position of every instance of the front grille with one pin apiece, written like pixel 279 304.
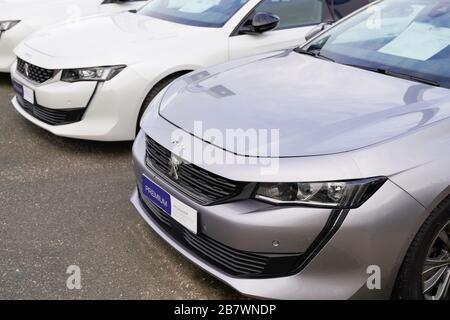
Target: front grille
pixel 197 183
pixel 234 262
pixel 34 73
pixel 51 116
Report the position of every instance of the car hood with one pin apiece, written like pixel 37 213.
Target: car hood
pixel 312 106
pixel 41 9
pixel 120 38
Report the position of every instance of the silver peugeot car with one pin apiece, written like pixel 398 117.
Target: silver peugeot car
pixel 321 172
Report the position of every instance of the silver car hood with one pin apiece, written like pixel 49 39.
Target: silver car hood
pixel 319 107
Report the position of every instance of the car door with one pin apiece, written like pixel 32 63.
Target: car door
pixel 297 18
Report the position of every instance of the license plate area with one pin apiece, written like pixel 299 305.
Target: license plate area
pixel 26 93
pixel 180 212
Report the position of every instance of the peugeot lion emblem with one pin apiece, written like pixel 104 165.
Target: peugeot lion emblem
pixel 175 161
pixel 27 69
pixel 174 165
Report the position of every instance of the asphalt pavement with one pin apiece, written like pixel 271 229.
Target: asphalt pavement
pixel 66 202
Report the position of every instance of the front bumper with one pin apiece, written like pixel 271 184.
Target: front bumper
pixel 9 40
pixel 110 109
pixel 7 56
pixel 375 234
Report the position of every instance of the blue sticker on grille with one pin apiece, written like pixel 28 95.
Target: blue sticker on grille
pixel 157 195
pixel 18 88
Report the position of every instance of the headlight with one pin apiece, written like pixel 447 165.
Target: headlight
pixel 91 74
pixel 6 25
pixel 339 195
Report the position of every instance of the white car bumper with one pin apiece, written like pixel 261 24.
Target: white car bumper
pixel 9 40
pixel 109 109
pixel 7 57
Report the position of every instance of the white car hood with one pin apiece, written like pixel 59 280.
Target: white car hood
pixel 122 38
pixel 45 9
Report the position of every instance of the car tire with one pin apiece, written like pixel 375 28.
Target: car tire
pixel 154 92
pixel 426 244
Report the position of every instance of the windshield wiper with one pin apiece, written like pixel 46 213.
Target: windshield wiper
pixel 413 78
pixel 315 54
pixel 396 74
pixel 373 69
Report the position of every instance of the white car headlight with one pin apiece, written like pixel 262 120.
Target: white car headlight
pixel 91 74
pixel 6 25
pixel 339 195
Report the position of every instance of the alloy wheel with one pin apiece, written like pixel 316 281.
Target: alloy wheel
pixel 436 269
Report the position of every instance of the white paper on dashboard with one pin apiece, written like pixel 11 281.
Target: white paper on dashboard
pixel 420 41
pixel 198 6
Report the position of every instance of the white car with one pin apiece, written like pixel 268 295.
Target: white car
pixel 20 18
pixel 94 80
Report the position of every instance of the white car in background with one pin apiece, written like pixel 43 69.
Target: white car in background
pixel 20 18
pixel 95 81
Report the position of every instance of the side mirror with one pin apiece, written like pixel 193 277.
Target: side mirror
pixel 261 22
pixel 317 29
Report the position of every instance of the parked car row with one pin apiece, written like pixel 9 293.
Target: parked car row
pixel 82 77
pixel 20 18
pixel 286 170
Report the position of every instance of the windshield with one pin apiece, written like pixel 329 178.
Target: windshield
pixel 203 13
pixel 403 37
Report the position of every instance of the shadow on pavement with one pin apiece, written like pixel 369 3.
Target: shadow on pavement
pixel 4 79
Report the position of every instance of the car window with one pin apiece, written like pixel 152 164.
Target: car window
pixel 203 13
pixel 407 37
pixel 293 13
